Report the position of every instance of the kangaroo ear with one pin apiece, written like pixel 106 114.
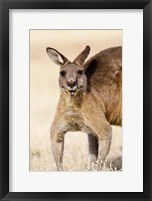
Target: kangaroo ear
pixel 56 56
pixel 82 56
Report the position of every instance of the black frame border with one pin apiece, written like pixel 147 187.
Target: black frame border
pixel 5 5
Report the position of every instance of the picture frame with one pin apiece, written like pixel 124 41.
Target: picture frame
pixel 5 5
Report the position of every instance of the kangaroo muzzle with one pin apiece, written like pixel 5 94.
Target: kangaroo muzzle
pixel 72 86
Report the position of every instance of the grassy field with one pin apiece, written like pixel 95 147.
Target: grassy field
pixel 44 95
pixel 75 153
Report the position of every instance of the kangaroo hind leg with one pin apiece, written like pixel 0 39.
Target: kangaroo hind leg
pixel 93 150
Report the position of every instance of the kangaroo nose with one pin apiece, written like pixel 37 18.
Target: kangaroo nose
pixel 71 84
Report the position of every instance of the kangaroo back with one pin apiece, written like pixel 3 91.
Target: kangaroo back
pixel 104 72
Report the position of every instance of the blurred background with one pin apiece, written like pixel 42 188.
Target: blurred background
pixel 44 95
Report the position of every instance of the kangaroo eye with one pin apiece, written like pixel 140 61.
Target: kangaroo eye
pixel 80 72
pixel 62 73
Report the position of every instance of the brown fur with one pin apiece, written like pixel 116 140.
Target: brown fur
pixel 106 82
pixel 93 106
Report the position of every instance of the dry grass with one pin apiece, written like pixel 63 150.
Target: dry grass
pixel 75 153
pixel 44 95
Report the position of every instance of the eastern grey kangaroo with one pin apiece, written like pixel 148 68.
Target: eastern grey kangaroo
pixel 90 101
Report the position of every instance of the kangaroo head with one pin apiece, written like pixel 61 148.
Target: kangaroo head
pixel 72 79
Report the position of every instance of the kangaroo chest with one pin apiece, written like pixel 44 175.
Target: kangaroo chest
pixel 75 121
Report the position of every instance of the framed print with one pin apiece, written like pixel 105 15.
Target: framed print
pixel 76 100
pixel 75 153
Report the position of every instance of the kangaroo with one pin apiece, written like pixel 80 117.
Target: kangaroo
pixel 90 101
